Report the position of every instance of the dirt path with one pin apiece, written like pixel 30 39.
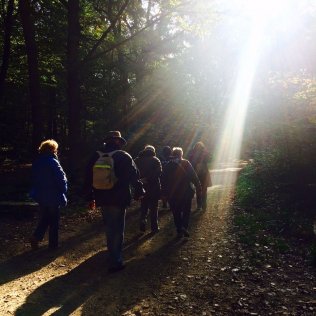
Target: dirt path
pixel 210 273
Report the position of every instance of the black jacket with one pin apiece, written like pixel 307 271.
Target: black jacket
pixel 150 170
pixel 127 174
pixel 199 160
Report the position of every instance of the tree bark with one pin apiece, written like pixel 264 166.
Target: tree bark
pixel 8 23
pixel 34 77
pixel 73 89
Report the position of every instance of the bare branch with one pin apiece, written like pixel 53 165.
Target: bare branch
pixel 155 20
pixel 107 31
pixel 125 40
pixel 64 3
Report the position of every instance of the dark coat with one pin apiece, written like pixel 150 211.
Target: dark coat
pixel 126 173
pixel 177 179
pixel 49 182
pixel 150 170
pixel 164 160
pixel 199 160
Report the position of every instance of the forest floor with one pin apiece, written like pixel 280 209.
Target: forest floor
pixel 210 273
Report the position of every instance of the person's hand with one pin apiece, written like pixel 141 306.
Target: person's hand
pixel 91 205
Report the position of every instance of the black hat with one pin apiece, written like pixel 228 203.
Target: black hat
pixel 114 135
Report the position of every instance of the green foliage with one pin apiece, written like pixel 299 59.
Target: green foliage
pixel 256 227
pixel 258 180
pixel 276 192
pixel 118 86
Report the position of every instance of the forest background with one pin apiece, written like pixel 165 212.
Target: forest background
pixel 162 72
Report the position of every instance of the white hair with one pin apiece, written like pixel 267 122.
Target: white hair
pixel 177 152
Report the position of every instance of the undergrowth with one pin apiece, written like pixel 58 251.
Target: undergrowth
pixel 273 206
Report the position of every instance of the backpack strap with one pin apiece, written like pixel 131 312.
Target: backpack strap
pixel 100 153
pixel 110 154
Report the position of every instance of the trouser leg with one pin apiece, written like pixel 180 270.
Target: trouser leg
pixel 204 197
pixel 42 224
pixel 198 202
pixel 153 206
pixel 114 219
pixel 143 214
pixel 186 211
pixel 53 227
pixel 177 216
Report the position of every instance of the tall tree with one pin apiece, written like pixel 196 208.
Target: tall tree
pixel 8 22
pixel 25 10
pixel 73 88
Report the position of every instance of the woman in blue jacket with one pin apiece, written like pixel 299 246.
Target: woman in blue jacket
pixel 48 190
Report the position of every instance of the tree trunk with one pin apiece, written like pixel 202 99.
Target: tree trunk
pixel 51 119
pixel 34 77
pixel 73 89
pixel 8 22
pixel 124 99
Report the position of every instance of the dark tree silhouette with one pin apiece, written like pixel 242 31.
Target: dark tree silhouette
pixel 25 10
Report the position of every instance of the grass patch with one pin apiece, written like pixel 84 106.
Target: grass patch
pixel 255 228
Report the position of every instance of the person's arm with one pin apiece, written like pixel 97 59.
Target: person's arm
pixel 60 176
pixel 128 174
pixel 135 182
pixel 155 171
pixel 193 178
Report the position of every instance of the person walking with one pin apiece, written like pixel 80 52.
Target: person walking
pixel 164 159
pixel 110 174
pixel 177 179
pixel 199 158
pixel 49 187
pixel 150 170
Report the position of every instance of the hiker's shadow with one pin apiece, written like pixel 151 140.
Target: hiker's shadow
pixel 64 294
pixel 75 285
pixel 31 261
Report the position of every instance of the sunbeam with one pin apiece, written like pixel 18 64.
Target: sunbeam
pixel 229 145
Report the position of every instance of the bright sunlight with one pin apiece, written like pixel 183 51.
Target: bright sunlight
pixel 263 17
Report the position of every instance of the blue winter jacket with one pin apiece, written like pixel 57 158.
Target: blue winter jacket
pixel 49 182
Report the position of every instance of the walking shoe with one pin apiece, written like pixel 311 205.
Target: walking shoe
pixel 34 243
pixel 116 268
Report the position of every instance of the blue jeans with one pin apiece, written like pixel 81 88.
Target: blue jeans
pixel 114 220
pixel 49 219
